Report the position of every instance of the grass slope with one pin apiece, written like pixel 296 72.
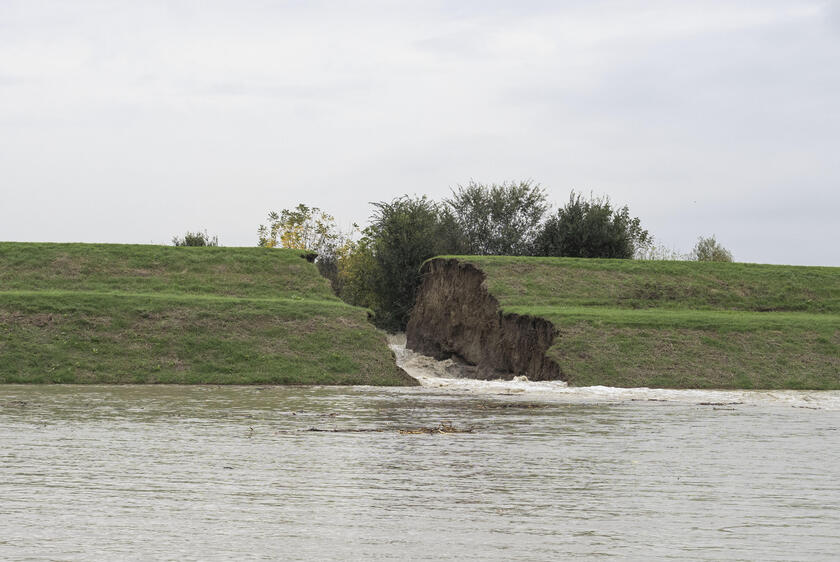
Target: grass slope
pixel 108 313
pixel 679 324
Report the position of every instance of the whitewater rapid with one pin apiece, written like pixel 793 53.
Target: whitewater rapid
pixel 449 375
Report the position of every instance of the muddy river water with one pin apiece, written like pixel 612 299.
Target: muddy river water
pixel 526 471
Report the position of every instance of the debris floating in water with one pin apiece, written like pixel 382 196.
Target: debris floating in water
pixel 348 430
pixel 443 427
pixel 509 405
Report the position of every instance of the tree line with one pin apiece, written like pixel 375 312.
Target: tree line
pixel 378 267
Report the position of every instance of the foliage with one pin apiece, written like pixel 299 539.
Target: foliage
pixel 302 228
pixel 357 270
pixel 407 231
pixel 709 249
pixel 499 219
pixel 382 271
pixel 195 239
pixel 659 252
pixel 313 230
pixel 591 229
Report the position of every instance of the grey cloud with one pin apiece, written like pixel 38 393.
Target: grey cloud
pixel 471 44
pixel 11 80
pixel 229 110
pixel 306 92
pixel 832 12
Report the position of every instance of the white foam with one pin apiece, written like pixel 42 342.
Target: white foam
pixel 449 375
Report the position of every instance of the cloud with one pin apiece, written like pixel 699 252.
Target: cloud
pixel 832 13
pixel 224 110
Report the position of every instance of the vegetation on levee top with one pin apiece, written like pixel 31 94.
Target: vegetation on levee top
pixel 107 313
pixel 239 272
pixel 380 269
pixel 722 321
pixel 572 282
pixel 678 324
pixel 196 238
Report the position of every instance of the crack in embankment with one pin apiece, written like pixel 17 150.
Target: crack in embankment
pixel 455 315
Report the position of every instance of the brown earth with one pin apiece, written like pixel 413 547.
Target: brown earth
pixel 454 315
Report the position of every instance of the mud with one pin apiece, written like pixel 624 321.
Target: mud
pixel 455 316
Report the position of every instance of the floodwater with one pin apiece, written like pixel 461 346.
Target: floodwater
pixel 525 471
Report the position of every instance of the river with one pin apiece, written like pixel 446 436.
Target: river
pixel 455 469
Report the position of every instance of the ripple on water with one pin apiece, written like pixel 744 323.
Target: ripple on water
pixel 545 472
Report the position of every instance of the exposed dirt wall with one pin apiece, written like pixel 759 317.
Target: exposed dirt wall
pixel 455 315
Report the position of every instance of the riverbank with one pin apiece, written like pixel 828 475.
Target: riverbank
pixel 627 323
pixel 113 313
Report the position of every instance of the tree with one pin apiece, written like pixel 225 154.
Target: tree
pixel 499 219
pixel 357 270
pixel 195 239
pixel 383 270
pixel 302 228
pixel 591 229
pixel 312 230
pixel 709 249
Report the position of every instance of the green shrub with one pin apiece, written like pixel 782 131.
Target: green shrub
pixel 591 229
pixel 497 219
pixel 195 239
pixel 382 271
pixel 659 252
pixel 709 249
pixel 312 230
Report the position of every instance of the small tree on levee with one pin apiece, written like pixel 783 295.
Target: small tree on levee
pixel 591 228
pixel 195 239
pixel 709 249
pixel 312 230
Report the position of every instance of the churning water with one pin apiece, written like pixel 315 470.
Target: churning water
pixel 456 469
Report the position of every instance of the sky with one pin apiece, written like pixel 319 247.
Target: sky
pixel 137 121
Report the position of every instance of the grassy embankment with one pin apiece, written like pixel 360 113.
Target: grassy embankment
pixel 679 324
pixel 110 313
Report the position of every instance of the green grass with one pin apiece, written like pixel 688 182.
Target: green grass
pixel 236 272
pixel 660 284
pixel 95 313
pixel 679 324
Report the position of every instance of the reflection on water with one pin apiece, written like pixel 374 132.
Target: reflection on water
pixel 197 473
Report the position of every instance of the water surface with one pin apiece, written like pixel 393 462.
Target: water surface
pixel 539 472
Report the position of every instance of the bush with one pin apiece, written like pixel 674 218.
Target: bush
pixel 195 239
pixel 356 272
pixel 309 229
pixel 496 219
pixel 302 228
pixel 591 229
pixel 659 252
pixel 382 271
pixel 709 249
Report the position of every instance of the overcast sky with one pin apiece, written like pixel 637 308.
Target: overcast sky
pixel 136 121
